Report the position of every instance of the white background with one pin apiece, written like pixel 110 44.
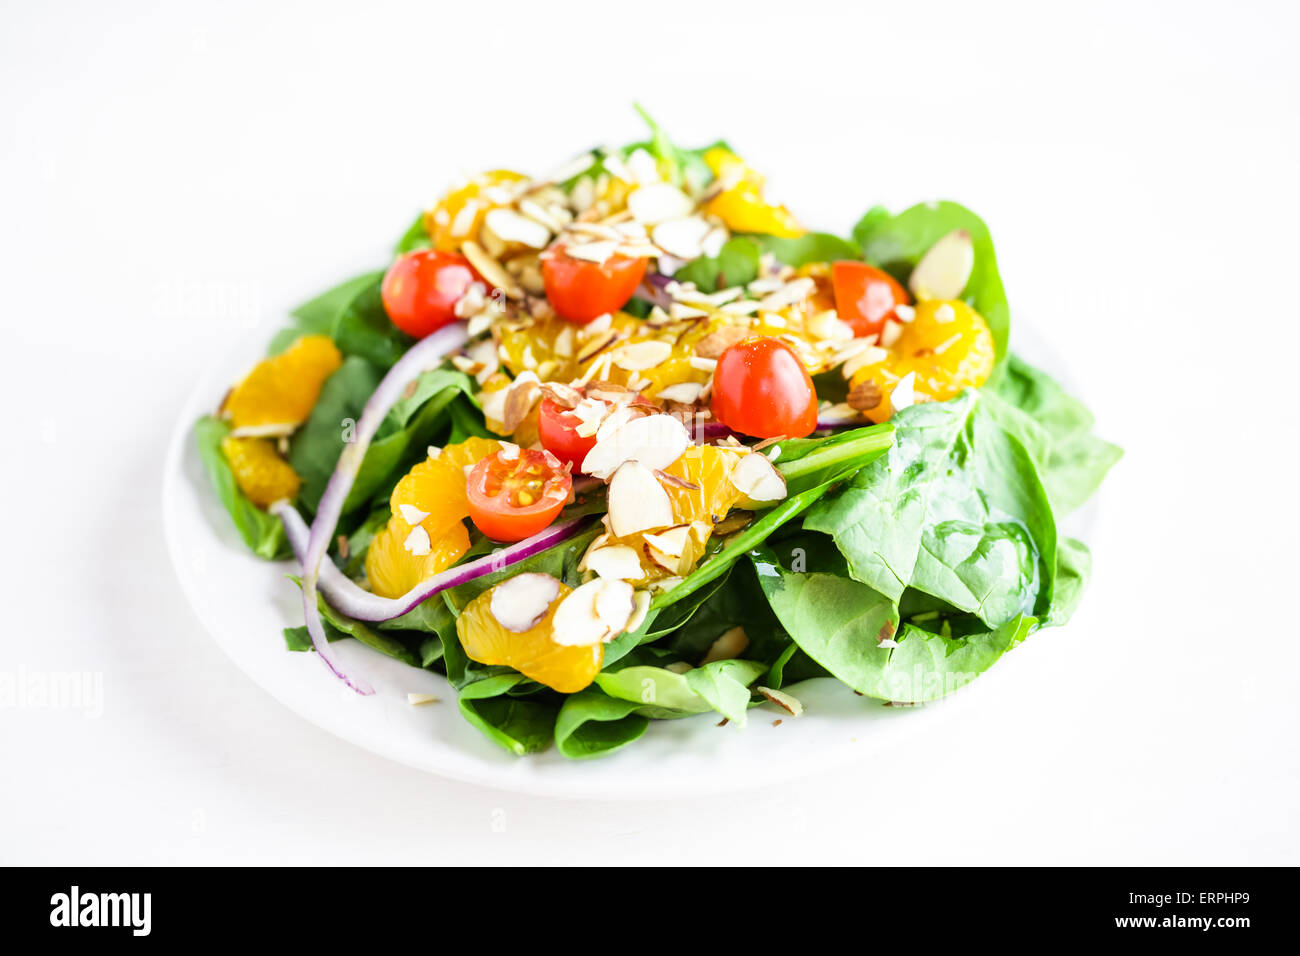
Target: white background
pixel 172 174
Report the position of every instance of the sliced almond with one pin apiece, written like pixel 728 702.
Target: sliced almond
pixel 637 502
pixel 904 393
pixel 758 479
pixel 519 603
pixel 521 396
pixel 491 270
pixel 616 561
pixel 597 251
pixel 640 607
pixel 945 269
pixel 783 700
pixel 565 396
pixel 672 541
pixel 715 343
pixel 509 226
pixel 594 612
pixel 729 645
pixel 683 238
pixel 417 542
pixel 658 202
pixel 637 356
pixel 411 514
pixel 685 392
pixel 656 441
pixel 890 333
pixel 796 290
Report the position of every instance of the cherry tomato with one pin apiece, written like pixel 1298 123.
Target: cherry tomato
pixel 516 492
pixel 581 290
pixel 866 296
pixel 760 388
pixel 421 289
pixel 557 428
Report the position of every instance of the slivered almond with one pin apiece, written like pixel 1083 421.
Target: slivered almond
pixel 685 392
pixel 715 343
pixel 656 441
pixel 509 226
pixel 796 290
pixel 521 602
pixel 658 202
pixel 636 356
pixel 562 395
pixel 783 700
pixel 596 345
pixel 417 542
pixel 757 479
pixel 594 612
pixel 671 479
pixel 682 238
pixel 521 396
pixel 491 270
pixel 729 645
pixel 597 251
pixel 616 561
pixel 672 541
pixel 904 393
pixel 945 268
pixel 637 502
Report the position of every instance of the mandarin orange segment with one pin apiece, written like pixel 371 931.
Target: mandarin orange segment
pixel 392 570
pixel 534 653
pixel 741 205
pixel 459 214
pixel 432 496
pixel 259 470
pixel 282 389
pixel 947 346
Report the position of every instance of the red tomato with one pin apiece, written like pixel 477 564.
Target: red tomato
pixel 760 388
pixel 866 296
pixel 421 289
pixel 517 492
pixel 581 290
pixel 557 428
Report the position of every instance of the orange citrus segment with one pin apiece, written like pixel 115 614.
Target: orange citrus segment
pixel 259 470
pixel 432 496
pixel 459 214
pixel 562 667
pixel 393 570
pixel 282 390
pixel 947 347
pixel 741 205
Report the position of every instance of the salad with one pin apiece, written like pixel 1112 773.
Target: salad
pixel 627 442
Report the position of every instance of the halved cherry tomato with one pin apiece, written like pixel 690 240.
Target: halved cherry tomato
pixel 866 296
pixel 558 429
pixel 581 290
pixel 421 289
pixel 517 492
pixel 760 388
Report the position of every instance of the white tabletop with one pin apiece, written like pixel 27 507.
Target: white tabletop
pixel 174 174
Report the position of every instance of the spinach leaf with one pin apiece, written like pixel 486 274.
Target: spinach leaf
pixel 362 328
pixel 1072 461
pixel 737 263
pixel 592 724
pixel 955 509
pixel 521 725
pixel 840 624
pixel 1073 568
pixel 321 313
pixel 897 243
pixel 809 248
pixel 262 532
pixel 403 437
pixel 665 694
pixel 415 237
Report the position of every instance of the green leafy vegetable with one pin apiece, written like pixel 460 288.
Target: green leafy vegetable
pixel 520 725
pixel 809 248
pixel 262 532
pixel 592 724
pixel 955 509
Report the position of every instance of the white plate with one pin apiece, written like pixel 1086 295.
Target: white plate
pixel 245 603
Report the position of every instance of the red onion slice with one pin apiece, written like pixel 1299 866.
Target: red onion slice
pixel 362 605
pixel 425 354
